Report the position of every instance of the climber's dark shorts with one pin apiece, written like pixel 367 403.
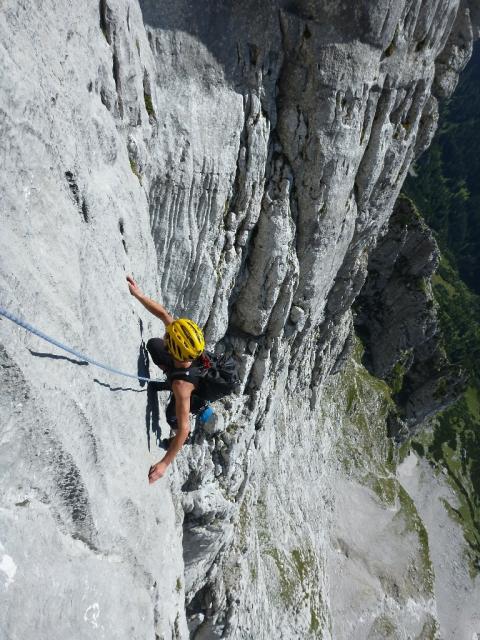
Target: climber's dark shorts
pixel 161 357
pixel 196 404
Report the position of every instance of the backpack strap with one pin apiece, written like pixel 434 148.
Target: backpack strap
pixel 193 374
pixel 206 360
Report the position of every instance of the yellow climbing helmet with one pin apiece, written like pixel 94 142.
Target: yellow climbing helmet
pixel 184 339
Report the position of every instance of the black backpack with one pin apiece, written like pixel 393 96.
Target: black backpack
pixel 218 376
pixel 213 376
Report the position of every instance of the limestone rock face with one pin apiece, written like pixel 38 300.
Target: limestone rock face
pixel 239 159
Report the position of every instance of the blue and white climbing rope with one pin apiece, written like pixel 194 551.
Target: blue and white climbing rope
pixel 60 345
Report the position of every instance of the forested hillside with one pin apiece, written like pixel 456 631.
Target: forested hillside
pixel 445 188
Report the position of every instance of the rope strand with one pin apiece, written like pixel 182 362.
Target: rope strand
pixel 60 345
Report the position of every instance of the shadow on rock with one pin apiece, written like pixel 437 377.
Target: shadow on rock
pixel 53 356
pixel 152 414
pixel 142 363
pixel 109 386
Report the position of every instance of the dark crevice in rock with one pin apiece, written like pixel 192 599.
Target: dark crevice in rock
pixel 421 45
pixel 73 186
pixel 73 493
pixel 344 354
pixel 105 20
pixel 75 191
pixel 107 25
pixel 85 212
pixel 390 49
pixel 104 98
pixel 121 228
pixel 116 77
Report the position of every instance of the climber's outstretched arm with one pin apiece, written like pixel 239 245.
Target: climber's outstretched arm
pixel 182 391
pixel 154 307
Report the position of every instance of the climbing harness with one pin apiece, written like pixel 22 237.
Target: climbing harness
pixel 80 356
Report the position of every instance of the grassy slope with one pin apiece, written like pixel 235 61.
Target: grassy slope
pixel 454 444
pixel 371 458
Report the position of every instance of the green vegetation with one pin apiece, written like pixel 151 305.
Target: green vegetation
pixel 447 189
pixel 415 524
pixel 149 105
pixel 314 621
pixel 447 192
pixel 297 572
pixel 134 168
pixel 297 575
pixel 430 630
pixel 369 456
pixel 244 522
pixel 287 584
pixel 386 488
pixel 367 403
pixel 454 444
pixel 395 380
pixel 459 314
pixel 232 428
pixel 383 628
pixel 360 404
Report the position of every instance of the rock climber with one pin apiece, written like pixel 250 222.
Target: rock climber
pixel 175 354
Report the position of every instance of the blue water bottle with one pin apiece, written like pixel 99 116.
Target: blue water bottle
pixel 205 415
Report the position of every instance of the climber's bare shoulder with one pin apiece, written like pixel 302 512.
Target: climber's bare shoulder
pixel 182 389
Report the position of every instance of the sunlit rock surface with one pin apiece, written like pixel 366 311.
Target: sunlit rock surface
pixel 239 160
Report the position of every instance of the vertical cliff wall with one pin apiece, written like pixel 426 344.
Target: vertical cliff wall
pixel 240 159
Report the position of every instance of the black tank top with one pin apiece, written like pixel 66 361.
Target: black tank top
pixel 190 374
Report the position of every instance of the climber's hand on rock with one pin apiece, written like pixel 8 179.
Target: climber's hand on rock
pixel 133 286
pixel 157 471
